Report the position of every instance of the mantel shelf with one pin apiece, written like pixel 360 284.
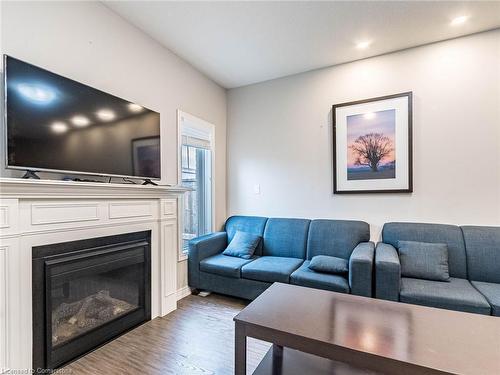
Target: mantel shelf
pixel 24 188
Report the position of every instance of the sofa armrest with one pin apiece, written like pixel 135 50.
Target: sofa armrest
pixel 360 269
pixel 200 248
pixel 387 272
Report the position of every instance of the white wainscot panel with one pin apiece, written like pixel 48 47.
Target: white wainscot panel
pixel 8 215
pixel 168 252
pixel 169 207
pixel 3 304
pixel 58 213
pixel 122 210
pixel 4 216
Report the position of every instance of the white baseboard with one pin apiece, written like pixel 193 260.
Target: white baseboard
pixel 183 292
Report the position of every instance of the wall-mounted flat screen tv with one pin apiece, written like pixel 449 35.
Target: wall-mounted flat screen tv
pixel 56 124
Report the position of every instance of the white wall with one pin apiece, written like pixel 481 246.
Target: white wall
pixel 280 136
pixel 89 43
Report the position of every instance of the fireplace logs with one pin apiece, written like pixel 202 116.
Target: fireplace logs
pixel 71 319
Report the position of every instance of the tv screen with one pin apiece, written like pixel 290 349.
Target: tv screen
pixel 57 124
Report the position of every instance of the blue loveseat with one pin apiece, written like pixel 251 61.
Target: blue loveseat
pixel 283 255
pixel 474 267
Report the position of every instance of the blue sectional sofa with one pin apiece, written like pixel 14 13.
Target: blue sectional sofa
pixel 283 255
pixel 474 267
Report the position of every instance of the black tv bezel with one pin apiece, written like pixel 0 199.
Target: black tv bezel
pixel 61 171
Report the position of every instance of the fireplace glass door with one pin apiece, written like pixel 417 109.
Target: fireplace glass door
pixel 88 295
pixel 86 299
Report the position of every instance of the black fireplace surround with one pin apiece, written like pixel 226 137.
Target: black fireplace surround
pixel 86 293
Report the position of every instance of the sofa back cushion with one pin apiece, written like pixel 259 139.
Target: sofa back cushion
pixel 286 238
pixel 336 238
pixel 482 245
pixel 249 224
pixel 451 235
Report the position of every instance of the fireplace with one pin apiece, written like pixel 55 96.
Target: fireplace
pixel 86 293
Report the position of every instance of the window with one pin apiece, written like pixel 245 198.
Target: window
pixel 196 168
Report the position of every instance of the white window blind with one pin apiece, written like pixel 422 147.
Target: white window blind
pixel 195 135
pixel 196 142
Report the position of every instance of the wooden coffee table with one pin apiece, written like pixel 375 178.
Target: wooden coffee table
pixel 319 331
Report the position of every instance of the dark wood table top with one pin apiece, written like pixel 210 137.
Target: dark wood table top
pixel 443 340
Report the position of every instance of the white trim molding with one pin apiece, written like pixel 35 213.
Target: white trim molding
pixel 3 305
pixel 183 292
pixel 205 130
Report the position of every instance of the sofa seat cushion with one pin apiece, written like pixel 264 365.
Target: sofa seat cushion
pixel 224 265
pixel 304 276
pixel 457 294
pixel 271 269
pixel 492 293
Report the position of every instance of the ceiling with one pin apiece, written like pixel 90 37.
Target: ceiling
pixel 240 43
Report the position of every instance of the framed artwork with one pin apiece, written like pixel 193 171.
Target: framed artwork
pixel 146 157
pixel 372 145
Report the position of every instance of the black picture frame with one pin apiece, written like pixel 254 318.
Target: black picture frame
pixel 144 141
pixel 335 107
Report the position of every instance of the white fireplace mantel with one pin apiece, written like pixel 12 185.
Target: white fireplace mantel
pixel 41 212
pixel 18 187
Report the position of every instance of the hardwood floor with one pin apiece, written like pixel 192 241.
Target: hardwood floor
pixel 197 338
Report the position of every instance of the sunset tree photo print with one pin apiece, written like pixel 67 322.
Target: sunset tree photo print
pixel 371 145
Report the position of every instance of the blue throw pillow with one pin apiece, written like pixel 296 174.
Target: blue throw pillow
pixel 423 260
pixel 328 264
pixel 242 245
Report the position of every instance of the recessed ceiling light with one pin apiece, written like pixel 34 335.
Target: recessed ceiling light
pixel 369 115
pixel 80 121
pixel 106 115
pixel 59 127
pixel 459 20
pixel 135 107
pixel 36 93
pixel 363 45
